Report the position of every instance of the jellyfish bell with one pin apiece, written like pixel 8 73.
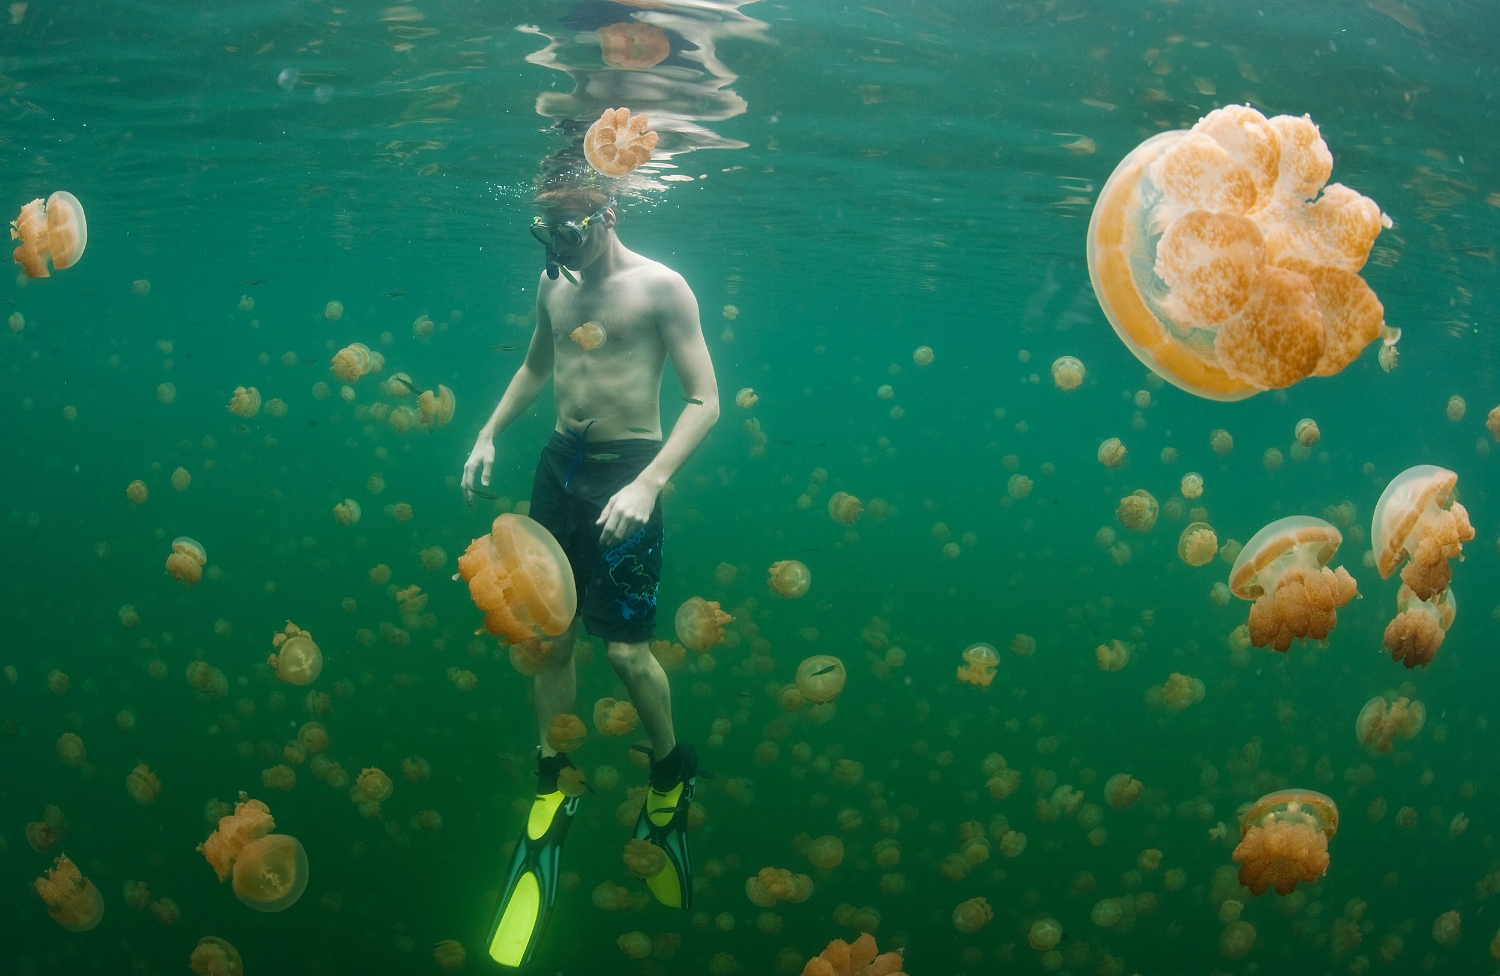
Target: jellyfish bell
pixel 1198 544
pixel 633 46
pixel 980 662
pixel 185 564
pixel 790 578
pixel 1380 721
pixel 700 623
pixel 1417 632
pixel 1284 839
pixel 589 336
pixel 270 874
pixel 298 660
pixel 520 577
pixel 1067 373
pixel 1283 570
pixel 54 231
pixel 1217 267
pixel 215 957
pixel 618 142
pixel 1418 517
pixel 437 408
pixel 821 678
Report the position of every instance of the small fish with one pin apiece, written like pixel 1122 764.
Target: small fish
pixel 814 549
pixel 483 494
pixel 604 457
pixel 780 441
pixel 505 759
pixel 743 696
pixel 638 430
pixel 393 293
pixel 408 384
pixel 823 671
pixel 820 444
pixel 505 346
pixel 312 423
pixel 693 400
pixel 309 361
pixel 252 281
pixel 10 303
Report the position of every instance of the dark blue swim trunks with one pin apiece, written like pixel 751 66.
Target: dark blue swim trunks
pixel 575 479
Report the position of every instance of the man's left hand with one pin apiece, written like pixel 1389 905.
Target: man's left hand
pixel 627 511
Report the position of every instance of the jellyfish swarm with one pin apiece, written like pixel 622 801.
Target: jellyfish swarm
pixel 618 142
pixel 1284 839
pixel 185 564
pixel 1218 268
pixel 633 46
pixel 72 900
pixel 980 661
pixel 1417 517
pixel 54 231
pixel 519 576
pixel 820 678
pixel 1282 568
pixel 1415 636
pixel 1380 721
pixel 270 874
pixel 700 623
pixel 790 578
pixel 859 959
pixel 298 660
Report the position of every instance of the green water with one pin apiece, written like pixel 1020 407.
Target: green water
pixel 868 179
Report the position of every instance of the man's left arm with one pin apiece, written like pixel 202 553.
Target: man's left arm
pixel 682 334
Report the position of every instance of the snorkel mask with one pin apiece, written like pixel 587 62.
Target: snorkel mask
pixel 568 233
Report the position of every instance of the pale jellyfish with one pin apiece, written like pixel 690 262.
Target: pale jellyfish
pixel 298 660
pixel 55 231
pixel 1112 453
pixel 700 623
pixel 1198 544
pixel 245 402
pixel 1380 721
pixel 1418 517
pixel 746 398
pixel 980 662
pixel 789 578
pixel 72 900
pixel 1067 373
pixel 1307 432
pixel 1282 568
pixel 618 142
pixel 1137 511
pixel 922 356
pixel 271 873
pixel 1417 632
pixel 821 678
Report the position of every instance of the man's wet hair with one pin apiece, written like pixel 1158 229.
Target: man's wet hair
pixel 574 198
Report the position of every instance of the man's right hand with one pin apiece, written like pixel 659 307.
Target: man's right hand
pixel 480 461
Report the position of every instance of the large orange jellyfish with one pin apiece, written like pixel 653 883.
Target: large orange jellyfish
pixel 980 662
pixel 1418 517
pixel 1284 839
pixel 1282 568
pixel 1222 268
pixel 700 623
pixel 633 46
pixel 790 578
pixel 859 959
pixel 185 564
pixel 72 900
pixel 820 678
pixel 1415 636
pixel 54 231
pixel 618 142
pixel 298 660
pixel 519 576
pixel 270 874
pixel 1380 721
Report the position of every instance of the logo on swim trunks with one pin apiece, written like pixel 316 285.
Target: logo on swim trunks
pixel 627 568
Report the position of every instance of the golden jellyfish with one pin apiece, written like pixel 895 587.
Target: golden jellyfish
pixel 1284 839
pixel 1307 432
pixel 746 398
pixel 136 491
pixel 789 578
pixel 185 564
pixel 1283 570
pixel 270 874
pixel 1198 545
pixel 519 576
pixel 618 142
pixel 437 408
pixel 861 958
pixel 1220 265
pixel 70 750
pixel 1192 485
pixel 347 512
pixel 374 784
pixel 1416 634
pixel 1067 373
pixel 972 915
pixel 143 785
pixel 633 46
pixel 1447 928
pixel 245 402
pixel 1418 517
pixel 213 956
pixel 449 955
pixel 700 623
pixel 1112 656
pixel 566 733
pixel 614 717
pixel 1221 441
pixel 1492 423
pixel 1380 721
pixel 72 900
pixel 1237 939
pixel 54 231
pixel 826 852
pixel 844 508
pixel 1121 791
pixel 298 660
pixel 1137 511
pixel 166 393
pixel 1044 934
pixel 820 678
pixel 1456 408
pixel 352 362
pixel 635 945
pixel 1112 453
pixel 181 479
pixel 922 356
pixel 980 662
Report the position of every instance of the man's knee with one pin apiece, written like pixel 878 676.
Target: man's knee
pixel 628 656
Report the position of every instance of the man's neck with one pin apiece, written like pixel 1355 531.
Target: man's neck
pixel 611 261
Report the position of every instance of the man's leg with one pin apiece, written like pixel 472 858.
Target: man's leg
pixel 649 691
pixel 556 685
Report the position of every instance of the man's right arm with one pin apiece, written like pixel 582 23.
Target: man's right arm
pixel 524 387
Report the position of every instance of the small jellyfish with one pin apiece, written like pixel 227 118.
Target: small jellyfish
pixel 972 915
pixel 1112 656
pixel 1067 373
pixel 347 512
pixel 1283 570
pixel 1221 441
pixel 1416 634
pixel 1112 453
pixel 826 852
pixel 1237 939
pixel 1492 423
pixel 54 231
pixel 746 398
pixel 352 362
pixel 70 750
pixel 614 717
pixel 136 491
pixel 1307 432
pixel 700 623
pixel 922 356
pixel 1137 511
pixel 245 402
pixel 1456 408
pixel 845 508
pixel 166 393
pixel 820 678
pixel 980 662
pixel 449 955
pixel 143 785
pixel 519 576
pixel 1121 791
pixel 72 900
pixel 1447 928
pixel 789 578
pixel 213 956
pixel 1192 485
pixel 181 479
pixel 374 784
pixel 140 287
pixel 1044 934
pixel 270 874
pixel 1198 544
pixel 1380 721
pixel 1417 516
pixel 566 733
pixel 589 336
pixel 618 142
pixel 1284 839
pixel 298 660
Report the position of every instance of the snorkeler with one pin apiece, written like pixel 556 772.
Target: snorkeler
pixel 607 321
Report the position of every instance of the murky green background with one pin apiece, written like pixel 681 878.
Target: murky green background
pixel 907 174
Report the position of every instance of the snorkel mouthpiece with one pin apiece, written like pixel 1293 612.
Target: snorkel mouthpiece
pixel 554 266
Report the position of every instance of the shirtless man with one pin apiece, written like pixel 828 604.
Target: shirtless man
pixel 597 491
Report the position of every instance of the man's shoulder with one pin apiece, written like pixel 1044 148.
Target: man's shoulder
pixel 652 272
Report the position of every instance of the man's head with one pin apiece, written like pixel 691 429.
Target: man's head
pixel 575 224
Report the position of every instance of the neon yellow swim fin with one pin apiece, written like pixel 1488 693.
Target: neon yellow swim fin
pixel 663 822
pixel 530 889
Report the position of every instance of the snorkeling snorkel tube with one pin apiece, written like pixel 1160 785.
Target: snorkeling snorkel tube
pixel 554 266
